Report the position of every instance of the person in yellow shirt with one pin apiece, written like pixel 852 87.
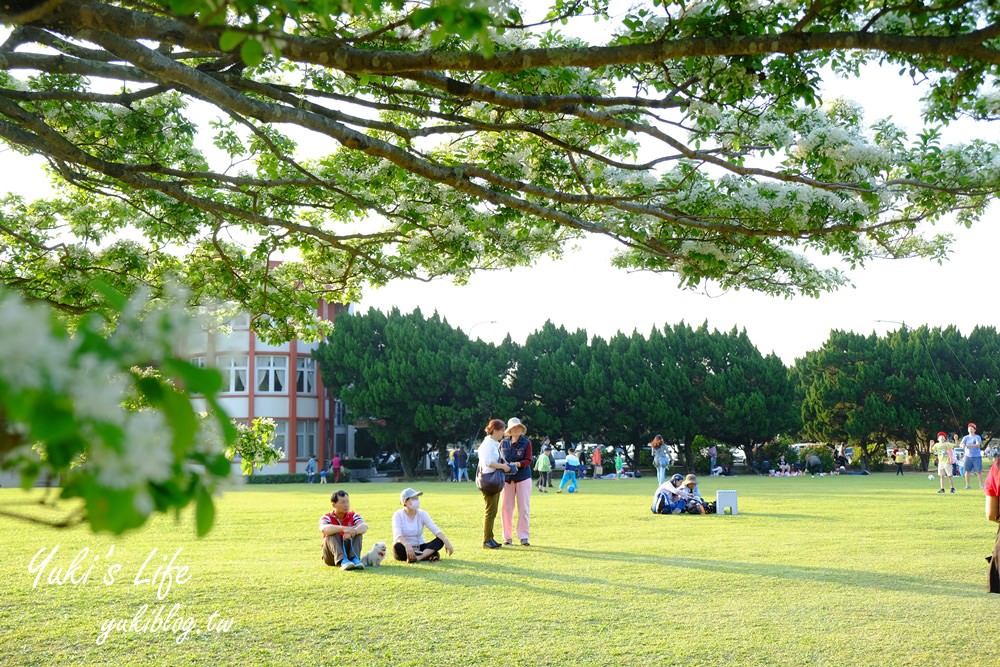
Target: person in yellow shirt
pixel 899 458
pixel 945 460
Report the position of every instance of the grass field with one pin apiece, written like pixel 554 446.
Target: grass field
pixel 847 570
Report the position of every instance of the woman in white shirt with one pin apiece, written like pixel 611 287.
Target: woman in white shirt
pixel 489 458
pixel 408 531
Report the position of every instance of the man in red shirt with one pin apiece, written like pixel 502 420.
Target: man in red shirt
pixel 342 530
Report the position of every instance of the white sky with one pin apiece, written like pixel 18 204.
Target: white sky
pixel 581 290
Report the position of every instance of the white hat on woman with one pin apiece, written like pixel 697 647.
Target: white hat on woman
pixel 513 423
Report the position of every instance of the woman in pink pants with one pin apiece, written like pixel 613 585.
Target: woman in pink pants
pixel 516 450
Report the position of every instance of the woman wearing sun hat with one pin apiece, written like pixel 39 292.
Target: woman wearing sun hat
pixel 408 526
pixel 695 503
pixel 516 450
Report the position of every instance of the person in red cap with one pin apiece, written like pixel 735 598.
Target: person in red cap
pixel 945 460
pixel 973 461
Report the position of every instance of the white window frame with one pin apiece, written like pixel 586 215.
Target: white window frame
pixel 306 434
pixel 231 366
pixel 271 374
pixel 280 439
pixel 305 376
pixel 239 322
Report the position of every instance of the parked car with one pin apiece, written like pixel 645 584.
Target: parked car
pixel 560 458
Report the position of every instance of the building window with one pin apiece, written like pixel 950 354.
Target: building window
pixel 240 322
pixel 305 376
pixel 198 362
pixel 271 373
pixel 339 413
pixel 234 374
pixel 305 439
pixel 280 440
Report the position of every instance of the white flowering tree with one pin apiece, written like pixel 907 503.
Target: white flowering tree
pixel 254 445
pixel 84 407
pixel 385 138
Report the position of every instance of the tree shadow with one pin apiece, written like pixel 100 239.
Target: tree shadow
pixel 463 573
pixel 856 578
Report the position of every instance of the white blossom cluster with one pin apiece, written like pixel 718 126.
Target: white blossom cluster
pixel 41 362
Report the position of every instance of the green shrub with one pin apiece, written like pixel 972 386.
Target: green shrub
pixel 296 478
pixel 876 459
pixel 645 459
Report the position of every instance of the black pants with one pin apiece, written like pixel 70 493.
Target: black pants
pixel 899 468
pixel 399 551
pixel 544 479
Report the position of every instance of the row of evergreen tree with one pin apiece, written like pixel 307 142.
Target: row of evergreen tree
pixel 422 385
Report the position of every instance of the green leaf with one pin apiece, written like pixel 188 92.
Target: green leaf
pixel 230 39
pixel 252 52
pixel 422 17
pixel 196 380
pixel 182 418
pixel 113 296
pixel 205 512
pixel 219 466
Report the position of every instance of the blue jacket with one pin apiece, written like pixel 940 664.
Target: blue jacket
pixel 518 452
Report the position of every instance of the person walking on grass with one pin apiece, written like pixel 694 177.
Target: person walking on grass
pixel 619 465
pixel 660 459
pixel 516 450
pixel 945 458
pixel 595 459
pixel 543 466
pixel 311 470
pixel 462 464
pixel 342 532
pixel 489 459
pixel 973 461
pixel 335 468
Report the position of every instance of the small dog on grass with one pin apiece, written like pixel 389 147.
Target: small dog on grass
pixel 374 557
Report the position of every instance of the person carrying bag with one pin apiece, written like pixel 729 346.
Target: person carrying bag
pixel 491 467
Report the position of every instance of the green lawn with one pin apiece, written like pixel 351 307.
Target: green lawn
pixel 832 571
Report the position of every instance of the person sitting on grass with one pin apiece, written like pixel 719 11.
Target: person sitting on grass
pixel 695 503
pixel 342 530
pixel 671 497
pixel 784 468
pixel 408 531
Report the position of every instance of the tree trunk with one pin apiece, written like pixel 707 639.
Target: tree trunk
pixel 408 461
pixel 442 462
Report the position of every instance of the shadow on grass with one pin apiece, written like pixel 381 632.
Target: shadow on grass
pixel 858 578
pixel 463 573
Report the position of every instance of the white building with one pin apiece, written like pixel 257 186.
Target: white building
pixel 281 382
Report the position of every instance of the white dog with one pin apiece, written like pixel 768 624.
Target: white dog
pixel 374 557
